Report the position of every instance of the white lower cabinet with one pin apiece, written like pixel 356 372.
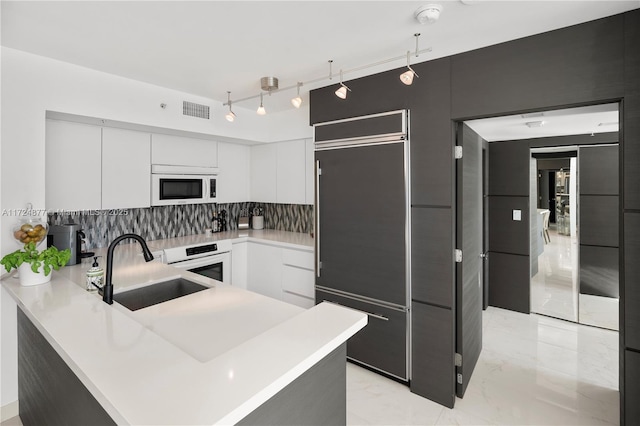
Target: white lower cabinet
pixel 282 273
pixel 298 286
pixel 239 265
pixel 264 269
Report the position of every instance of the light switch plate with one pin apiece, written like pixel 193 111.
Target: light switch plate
pixel 517 215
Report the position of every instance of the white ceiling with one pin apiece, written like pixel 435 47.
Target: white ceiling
pixel 208 47
pixel 561 122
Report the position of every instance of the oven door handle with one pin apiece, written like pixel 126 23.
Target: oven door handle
pixel 201 261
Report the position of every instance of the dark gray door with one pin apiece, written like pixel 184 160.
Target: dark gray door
pixel 362 212
pixel 469 271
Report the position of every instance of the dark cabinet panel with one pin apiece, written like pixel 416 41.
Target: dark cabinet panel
pixel 432 255
pixel 362 241
pixel 509 168
pixel 567 66
pixel 599 220
pixel 631 388
pixel 505 234
pixel 632 280
pixel 509 282
pixel 433 374
pixel 432 162
pixel 631 150
pixel 369 95
pixel 599 167
pixel 382 343
pixel 317 397
pixel 631 118
pixel 48 390
pixel 599 271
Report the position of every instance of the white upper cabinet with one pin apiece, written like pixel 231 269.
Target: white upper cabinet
pixel 72 166
pixel 233 181
pixel 264 173
pixel 310 172
pixel 291 186
pixel 126 169
pixel 283 172
pixel 183 151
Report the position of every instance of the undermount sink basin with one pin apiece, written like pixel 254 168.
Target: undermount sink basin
pixel 157 293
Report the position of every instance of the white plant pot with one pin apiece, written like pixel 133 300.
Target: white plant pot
pixel 28 277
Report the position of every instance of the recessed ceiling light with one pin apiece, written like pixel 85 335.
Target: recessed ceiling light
pixel 535 124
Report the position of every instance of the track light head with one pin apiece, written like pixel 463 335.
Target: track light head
pixel 261 110
pixel 297 101
pixel 407 77
pixel 230 116
pixel 342 90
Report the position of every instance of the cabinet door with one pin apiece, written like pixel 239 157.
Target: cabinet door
pixel 183 151
pixel 239 265
pixel 291 178
pixel 72 166
pixel 263 173
pixel 310 172
pixel 126 169
pixel 233 180
pixel 265 270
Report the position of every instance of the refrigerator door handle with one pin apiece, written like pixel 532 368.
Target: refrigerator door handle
pixel 317 210
pixel 378 316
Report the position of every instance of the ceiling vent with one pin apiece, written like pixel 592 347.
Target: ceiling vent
pixel 195 110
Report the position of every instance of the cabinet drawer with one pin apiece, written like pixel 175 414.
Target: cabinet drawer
pixel 383 342
pixel 299 258
pixel 298 281
pixel 296 299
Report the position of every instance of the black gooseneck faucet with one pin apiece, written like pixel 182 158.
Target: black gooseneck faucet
pixel 107 289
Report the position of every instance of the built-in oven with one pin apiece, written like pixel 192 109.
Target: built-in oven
pixel 212 260
pixel 171 185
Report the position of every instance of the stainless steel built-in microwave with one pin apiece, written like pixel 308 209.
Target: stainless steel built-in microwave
pixel 172 185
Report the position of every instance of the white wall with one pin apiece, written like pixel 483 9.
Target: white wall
pixel 33 84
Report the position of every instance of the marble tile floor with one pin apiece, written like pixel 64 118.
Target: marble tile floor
pixel 554 289
pixel 533 370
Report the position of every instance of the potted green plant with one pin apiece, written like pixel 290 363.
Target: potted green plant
pixel 35 266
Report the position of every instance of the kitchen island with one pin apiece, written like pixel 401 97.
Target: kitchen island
pixel 219 356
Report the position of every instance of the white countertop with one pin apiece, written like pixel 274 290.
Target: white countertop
pixel 295 240
pixel 211 357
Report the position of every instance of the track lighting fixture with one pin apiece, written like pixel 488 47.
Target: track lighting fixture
pixel 407 76
pixel 230 116
pixel 261 110
pixel 270 84
pixel 342 90
pixel 297 101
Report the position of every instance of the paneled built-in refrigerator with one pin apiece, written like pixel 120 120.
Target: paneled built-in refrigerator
pixel 363 231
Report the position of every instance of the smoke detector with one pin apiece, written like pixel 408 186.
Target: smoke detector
pixel 428 14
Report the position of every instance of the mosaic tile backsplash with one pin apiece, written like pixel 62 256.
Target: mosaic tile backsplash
pixel 153 223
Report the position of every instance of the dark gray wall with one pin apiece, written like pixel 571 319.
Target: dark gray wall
pixel 591 63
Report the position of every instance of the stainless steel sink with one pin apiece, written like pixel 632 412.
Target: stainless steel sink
pixel 157 293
